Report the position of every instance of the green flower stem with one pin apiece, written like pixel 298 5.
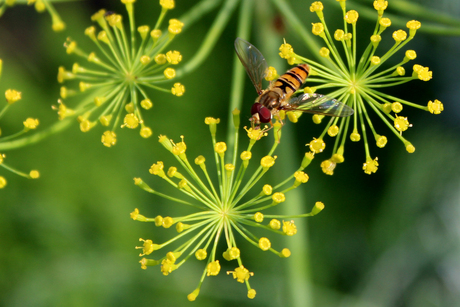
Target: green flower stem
pixel 49 6
pixel 251 182
pixel 196 194
pixel 197 216
pixel 176 238
pixel 285 181
pixel 290 216
pixel 3 111
pixel 15 171
pixel 122 44
pixel 210 183
pixel 216 240
pixel 345 132
pixel 14 136
pixel 369 122
pixel 191 241
pixel 239 179
pixel 250 222
pixel 146 188
pixel 335 53
pixel 160 18
pixel 414 105
pixel 404 80
pixel 255 201
pixel 211 38
pixel 132 26
pixel 353 62
pixel 37 137
pixel 298 267
pixel 238 79
pixel 214 231
pixel 363 127
pixel 336 74
pixel 186 165
pixel 364 60
pixel 378 111
pixel 244 233
pixel 155 87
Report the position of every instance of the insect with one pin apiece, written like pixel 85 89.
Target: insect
pixel 277 96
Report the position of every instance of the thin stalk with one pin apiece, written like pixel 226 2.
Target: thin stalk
pixel 37 137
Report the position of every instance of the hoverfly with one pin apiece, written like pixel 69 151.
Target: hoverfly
pixel 277 96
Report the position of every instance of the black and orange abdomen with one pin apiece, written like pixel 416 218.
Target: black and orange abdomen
pixel 292 79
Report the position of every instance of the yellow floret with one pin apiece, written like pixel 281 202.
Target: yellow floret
pixel 264 244
pixel 401 123
pixel 131 121
pixel 220 148
pixel 201 254
pixel 170 73
pixel 289 228
pixel 31 123
pixel 173 57
pixel 178 89
pixel 328 166
pixel 213 268
pixel 12 96
pixel 399 35
pixel 241 274
pixel 286 51
pixel 175 26
pixel 435 107
pixel 109 138
pixel 267 161
pixel 351 16
pixel 167 4
pixel 370 166
pixel 317 145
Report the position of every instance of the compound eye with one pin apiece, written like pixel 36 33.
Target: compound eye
pixel 265 115
pixel 255 108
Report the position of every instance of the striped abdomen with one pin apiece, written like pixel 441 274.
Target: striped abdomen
pixel 291 81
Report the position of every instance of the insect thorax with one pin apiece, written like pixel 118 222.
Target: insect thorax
pixel 271 98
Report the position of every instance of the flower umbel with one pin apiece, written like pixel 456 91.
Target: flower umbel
pixel 130 62
pixel 358 81
pixel 223 211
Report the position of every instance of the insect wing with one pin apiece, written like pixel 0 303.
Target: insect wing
pixel 253 61
pixel 318 104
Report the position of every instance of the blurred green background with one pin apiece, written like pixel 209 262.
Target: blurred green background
pixel 389 239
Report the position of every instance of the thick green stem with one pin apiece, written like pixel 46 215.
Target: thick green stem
pixel 298 276
pixel 236 93
pixel 211 38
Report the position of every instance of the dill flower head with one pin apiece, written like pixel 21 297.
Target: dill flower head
pixel 225 210
pixel 358 81
pixel 40 6
pixel 12 96
pixel 111 88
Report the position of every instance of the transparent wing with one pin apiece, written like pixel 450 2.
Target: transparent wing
pixel 253 61
pixel 318 104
